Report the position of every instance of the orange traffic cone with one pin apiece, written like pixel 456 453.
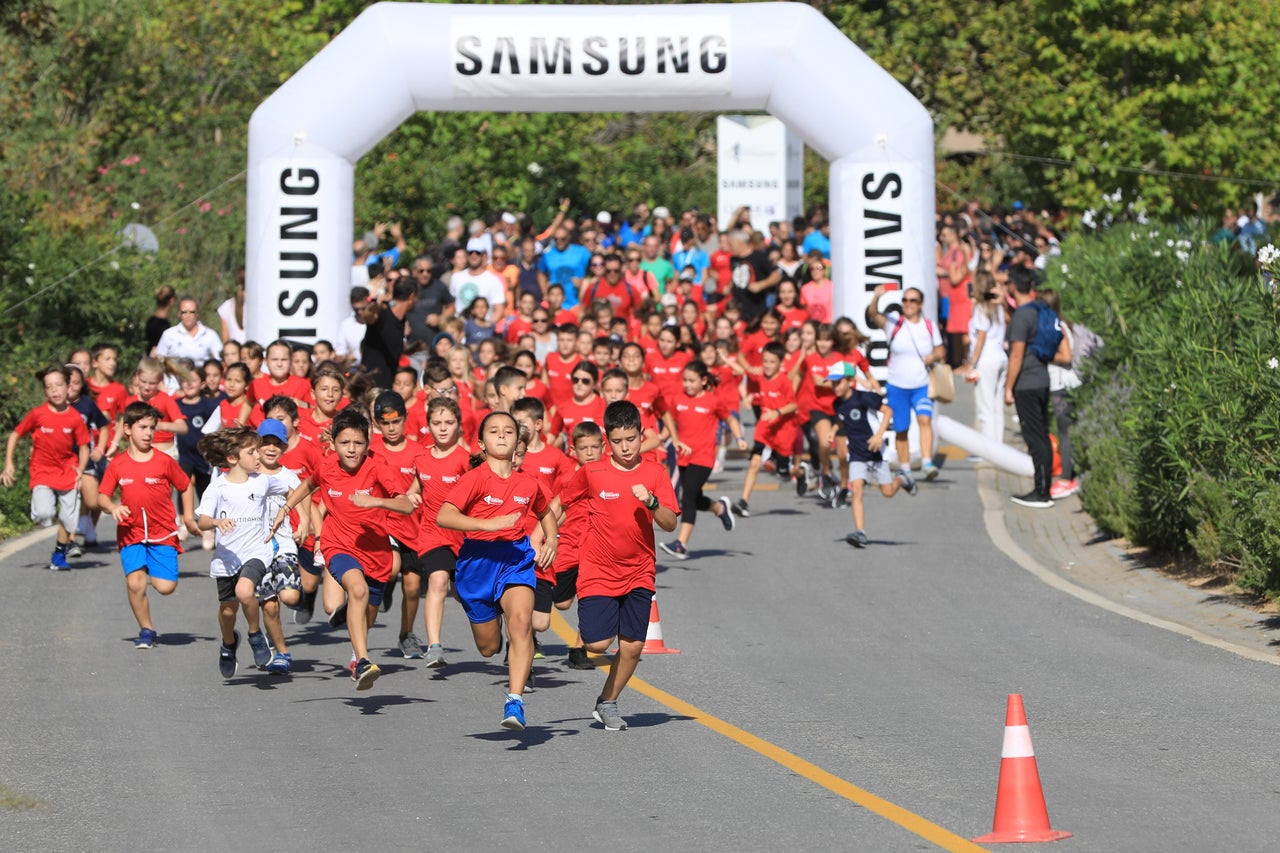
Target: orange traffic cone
pixel 1020 809
pixel 653 644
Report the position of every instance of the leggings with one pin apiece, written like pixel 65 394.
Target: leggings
pixel 692 479
pixel 1064 413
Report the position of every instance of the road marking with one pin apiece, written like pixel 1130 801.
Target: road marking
pixel 909 821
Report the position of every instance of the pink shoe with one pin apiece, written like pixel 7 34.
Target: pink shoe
pixel 1064 489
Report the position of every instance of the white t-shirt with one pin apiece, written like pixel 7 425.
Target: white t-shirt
pixel 227 313
pixel 246 503
pixel 907 350
pixel 993 345
pixel 284 536
pixel 350 337
pixel 465 286
pixel 177 342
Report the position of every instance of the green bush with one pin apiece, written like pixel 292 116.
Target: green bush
pixel 1179 424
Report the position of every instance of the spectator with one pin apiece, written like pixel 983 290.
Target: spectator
pixel 691 254
pixel 528 279
pixel 190 338
pixel 453 238
pixel 351 330
pixel 434 303
pixel 565 263
pixel 478 280
pixel 384 319
pixel 632 230
pixel 752 275
pixel 819 239
pixel 158 322
pixel 231 312
pixel 501 266
pixel 652 262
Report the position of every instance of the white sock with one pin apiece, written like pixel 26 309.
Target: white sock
pixel 519 699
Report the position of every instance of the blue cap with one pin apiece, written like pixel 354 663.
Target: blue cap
pixel 272 428
pixel 1017 205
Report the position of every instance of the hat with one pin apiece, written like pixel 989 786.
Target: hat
pixel 442 336
pixel 688 275
pixel 475 244
pixel 387 405
pixel 1017 205
pixel 661 213
pixel 617 339
pixel 841 370
pixel 604 216
pixel 508 217
pixel 669 299
pixel 272 428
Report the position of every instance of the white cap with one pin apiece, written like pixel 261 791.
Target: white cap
pixel 604 216
pixel 509 217
pixel 661 213
pixel 475 244
pixel 669 299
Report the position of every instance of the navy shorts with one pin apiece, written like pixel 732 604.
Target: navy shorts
pixel 486 569
pixel 339 564
pixel 602 617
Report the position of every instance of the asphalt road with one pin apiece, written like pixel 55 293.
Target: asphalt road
pixel 887 667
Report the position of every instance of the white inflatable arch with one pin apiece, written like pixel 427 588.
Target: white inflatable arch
pixel 399 58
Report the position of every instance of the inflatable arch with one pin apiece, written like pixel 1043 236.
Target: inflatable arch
pixel 399 58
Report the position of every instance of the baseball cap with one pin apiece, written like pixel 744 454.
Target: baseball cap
pixel 604 216
pixel 508 217
pixel 475 244
pixel 1017 205
pixel 661 213
pixel 688 275
pixel 841 370
pixel 387 406
pixel 272 428
pixel 669 299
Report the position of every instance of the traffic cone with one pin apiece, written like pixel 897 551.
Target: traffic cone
pixel 653 644
pixel 1020 809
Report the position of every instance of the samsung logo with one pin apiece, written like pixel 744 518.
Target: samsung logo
pixel 593 55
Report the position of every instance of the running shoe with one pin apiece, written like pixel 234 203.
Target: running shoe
pixel 537 650
pixel 1033 499
pixel 366 673
pixel 578 658
pixel 435 656
pixel 513 714
pixel 857 539
pixel 388 595
pixel 675 549
pixel 908 483
pixel 58 562
pixel 930 471
pixel 338 617
pixel 411 646
pixel 280 663
pixel 840 498
pixel 227 656
pixel 726 512
pixel 146 639
pixel 826 488
pixel 74 550
pixel 261 651
pixel 1064 489
pixel 802 479
pixel 306 608
pixel 606 713
pixel 741 509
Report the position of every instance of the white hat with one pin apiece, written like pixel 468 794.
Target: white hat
pixel 509 217
pixel 475 244
pixel 604 216
pixel 669 300
pixel 661 213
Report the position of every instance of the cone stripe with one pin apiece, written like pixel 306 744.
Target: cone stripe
pixel 1017 743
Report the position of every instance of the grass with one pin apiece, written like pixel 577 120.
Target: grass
pixel 12 801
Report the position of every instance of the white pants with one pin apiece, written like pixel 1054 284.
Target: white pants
pixel 48 506
pixel 989 394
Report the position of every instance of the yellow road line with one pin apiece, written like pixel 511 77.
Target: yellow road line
pixel 907 820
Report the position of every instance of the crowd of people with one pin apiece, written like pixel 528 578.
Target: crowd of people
pixel 507 414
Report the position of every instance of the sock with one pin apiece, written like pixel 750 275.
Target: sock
pixel 519 699
pixel 62 547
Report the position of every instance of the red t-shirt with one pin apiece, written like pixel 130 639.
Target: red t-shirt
pixel 650 347
pixel 752 350
pixel 792 319
pixel 229 413
pixel 571 413
pixel 647 398
pixel 560 376
pixel 309 428
pixel 722 264
pixel 668 373
pixel 697 419
pixel 615 548
pixel 438 475
pixel 146 488
pixel 264 388
pixel 811 396
pixel 169 412
pixel 302 459
pixel 55 437
pixel 624 297
pixel 516 326
pixel 401 464
pixel 360 532
pixel 776 392
pixel 570 530
pixel 110 398
pixel 552 468
pixel 538 389
pixel 483 494
pixel 728 387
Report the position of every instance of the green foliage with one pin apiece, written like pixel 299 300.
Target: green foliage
pixel 1180 427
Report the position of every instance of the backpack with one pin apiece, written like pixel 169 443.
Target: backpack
pixel 1048 333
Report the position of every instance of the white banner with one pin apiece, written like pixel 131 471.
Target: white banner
pixel 759 165
pixel 551 57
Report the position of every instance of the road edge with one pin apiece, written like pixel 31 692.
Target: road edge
pixel 11 546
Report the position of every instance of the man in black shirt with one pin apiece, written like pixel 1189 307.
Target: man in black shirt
pixel 384 338
pixel 753 276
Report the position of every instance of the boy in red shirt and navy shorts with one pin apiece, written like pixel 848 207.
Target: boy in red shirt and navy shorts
pixel 624 495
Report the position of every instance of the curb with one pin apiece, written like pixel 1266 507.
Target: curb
pixel 993 505
pixel 16 544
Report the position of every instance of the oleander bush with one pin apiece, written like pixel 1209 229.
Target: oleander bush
pixel 1179 418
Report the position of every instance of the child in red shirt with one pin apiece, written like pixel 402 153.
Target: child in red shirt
pixel 496 573
pixel 667 366
pixel 776 425
pixel 559 365
pixel 280 378
pixel 145 530
pixel 59 453
pixel 624 496
pixel 588 446
pixel 584 405
pixel 149 375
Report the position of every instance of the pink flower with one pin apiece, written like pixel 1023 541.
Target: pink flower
pixel 142 171
pixel 182 230
pixel 181 185
pixel 102 170
pixel 114 214
pixel 206 207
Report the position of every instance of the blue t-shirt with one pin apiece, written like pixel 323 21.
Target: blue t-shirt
pixel 857 426
pixel 817 240
pixel 562 267
pixel 694 257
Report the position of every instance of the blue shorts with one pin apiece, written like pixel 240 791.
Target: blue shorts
pixel 602 617
pixel 904 401
pixel 159 561
pixel 486 569
pixel 339 564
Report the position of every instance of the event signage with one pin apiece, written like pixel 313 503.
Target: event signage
pixel 760 166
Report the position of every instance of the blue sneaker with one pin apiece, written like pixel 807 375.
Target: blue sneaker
pixel 146 639
pixel 513 714
pixel 675 549
pixel 227 656
pixel 58 562
pixel 280 663
pixel 261 651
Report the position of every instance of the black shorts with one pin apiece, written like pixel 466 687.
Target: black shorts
pixel 438 559
pixel 542 596
pixel 254 570
pixel 410 562
pixel 566 586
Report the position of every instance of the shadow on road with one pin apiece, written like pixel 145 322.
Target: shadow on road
pixel 531 736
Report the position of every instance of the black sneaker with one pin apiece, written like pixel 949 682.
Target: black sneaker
pixel 840 498
pixel 740 508
pixel 857 539
pixel 802 479
pixel 338 617
pixel 726 514
pixel 908 484
pixel 227 656
pixel 306 608
pixel 578 658
pixel 1033 499
pixel 675 549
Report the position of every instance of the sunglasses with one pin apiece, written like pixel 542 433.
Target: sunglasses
pixel 541 320
pixel 910 299
pixel 582 380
